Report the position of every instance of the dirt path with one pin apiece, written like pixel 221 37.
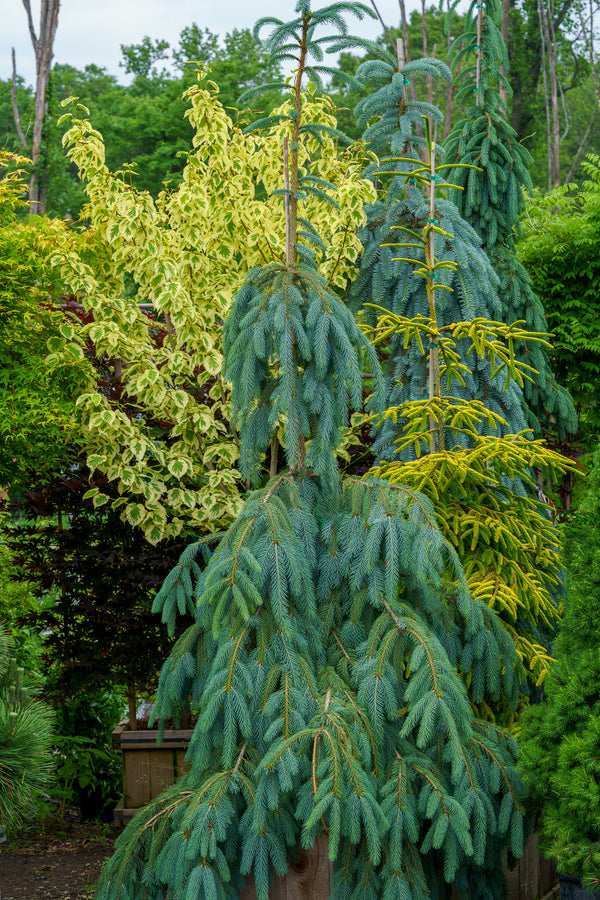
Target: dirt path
pixel 63 865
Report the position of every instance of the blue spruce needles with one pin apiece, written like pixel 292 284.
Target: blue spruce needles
pixel 334 635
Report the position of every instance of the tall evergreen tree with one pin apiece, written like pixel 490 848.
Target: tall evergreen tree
pixel 330 624
pixel 559 742
pixel 491 199
pixel 455 381
pixel 465 283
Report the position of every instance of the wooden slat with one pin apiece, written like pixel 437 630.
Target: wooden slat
pixel 548 878
pixel 530 866
pixel 533 877
pixel 122 738
pixel 136 778
pixel 163 764
pixel 309 877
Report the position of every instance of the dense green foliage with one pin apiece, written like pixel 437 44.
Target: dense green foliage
pixel 347 660
pixel 101 576
pixel 18 598
pixel 559 249
pixel 156 279
pixel 36 404
pixel 463 278
pixel 141 120
pixel 559 742
pixel 25 735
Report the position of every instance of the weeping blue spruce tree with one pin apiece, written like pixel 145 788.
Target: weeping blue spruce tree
pixel 466 285
pixel 491 199
pixel 455 372
pixel 334 632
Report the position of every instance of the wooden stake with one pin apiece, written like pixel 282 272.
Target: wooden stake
pixel 402 63
pixel 479 50
pixel 286 183
pixel 435 388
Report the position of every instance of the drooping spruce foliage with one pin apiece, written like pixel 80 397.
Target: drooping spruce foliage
pixel 559 755
pixel 332 621
pixel 491 200
pixel 25 737
pixel 456 417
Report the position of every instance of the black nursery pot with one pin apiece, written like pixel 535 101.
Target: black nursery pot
pixel 571 889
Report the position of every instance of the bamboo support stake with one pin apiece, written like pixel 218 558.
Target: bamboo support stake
pixel 435 387
pixel 286 183
pixel 401 64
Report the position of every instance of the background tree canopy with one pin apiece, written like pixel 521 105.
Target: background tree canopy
pixel 142 121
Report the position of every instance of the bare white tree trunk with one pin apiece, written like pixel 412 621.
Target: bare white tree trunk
pixel 554 120
pixel 426 52
pixel 43 45
pixel 452 85
pixel 589 42
pixel 546 101
pixel 13 94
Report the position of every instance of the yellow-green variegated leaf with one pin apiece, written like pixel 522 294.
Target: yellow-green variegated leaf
pixel 166 442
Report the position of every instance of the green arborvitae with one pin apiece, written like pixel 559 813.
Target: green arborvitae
pixel 396 244
pixel 25 737
pixel 332 621
pixel 492 199
pixel 560 737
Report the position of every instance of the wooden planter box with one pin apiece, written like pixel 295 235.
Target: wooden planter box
pixel 147 768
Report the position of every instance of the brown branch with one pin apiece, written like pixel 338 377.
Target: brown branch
pixel 382 23
pixel 557 22
pixel 274 456
pixel 13 94
pixel 239 759
pixel 34 39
